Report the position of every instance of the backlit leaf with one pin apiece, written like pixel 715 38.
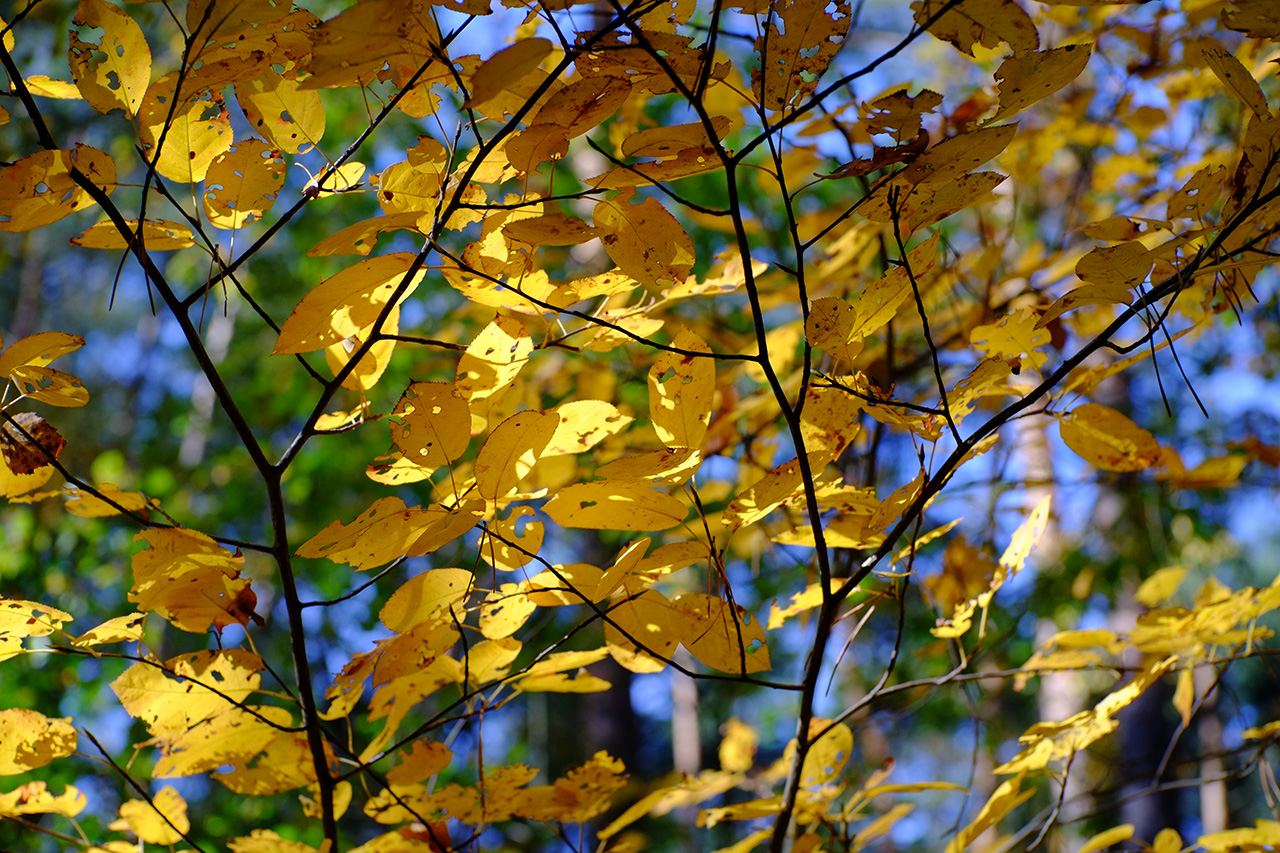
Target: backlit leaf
pixel 162 821
pixel 681 388
pixel 511 451
pixel 644 240
pixel 29 739
pixel 242 184
pixel 721 635
pixel 1029 77
pixel 614 505
pixel 39 189
pixel 112 73
pixel 1107 439
pixel 347 303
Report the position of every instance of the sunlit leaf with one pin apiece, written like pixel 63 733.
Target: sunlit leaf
pixel 112 73
pixel 29 739
pixel 1107 439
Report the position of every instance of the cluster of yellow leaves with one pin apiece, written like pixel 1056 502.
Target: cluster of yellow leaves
pixel 486 442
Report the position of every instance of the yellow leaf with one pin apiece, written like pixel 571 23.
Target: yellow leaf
pixel 346 304
pixel 424 759
pixel 550 674
pixel 372 365
pixel 112 73
pixel 770 492
pixel 291 117
pixel 158 235
pixel 425 598
pixel 830 327
pixel 1029 77
pixel 793 58
pixel 737 750
pixel 190 580
pixel 639 625
pixel 1107 439
pixel 1046 742
pixel 506 67
pixel 413 186
pixel 88 505
pixel 168 707
pixel 582 424
pixel 644 240
pixel 668 467
pixel 1167 841
pixel 1264 834
pixel 1124 265
pixel 510 557
pixel 551 229
pixel 615 505
pixel 360 238
pixel 195 131
pixel 29 739
pixel 691 161
pixel 879 301
pixel 1007 797
pixel 1016 338
pixel 881 825
pixel 561 585
pixel 670 141
pixel 504 611
pixel 1235 78
pixel 118 629
pixel 721 635
pixel 958 155
pixel 38 350
pixel 491 660
pixel 490 364
pixel 431 424
pixel 162 821
pixel 681 392
pixel 1024 540
pixel 511 451
pixel 827 755
pixel 1160 586
pixel 43 86
pixel 803 601
pixel 974 23
pixel 626 563
pixel 38 189
pixel 380 534
pixel 21 619
pixel 242 184
pixel 34 798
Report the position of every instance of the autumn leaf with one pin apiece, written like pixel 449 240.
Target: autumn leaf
pixel 29 739
pixel 39 189
pixel 114 72
pixel 346 303
pixel 1107 439
pixel 644 240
